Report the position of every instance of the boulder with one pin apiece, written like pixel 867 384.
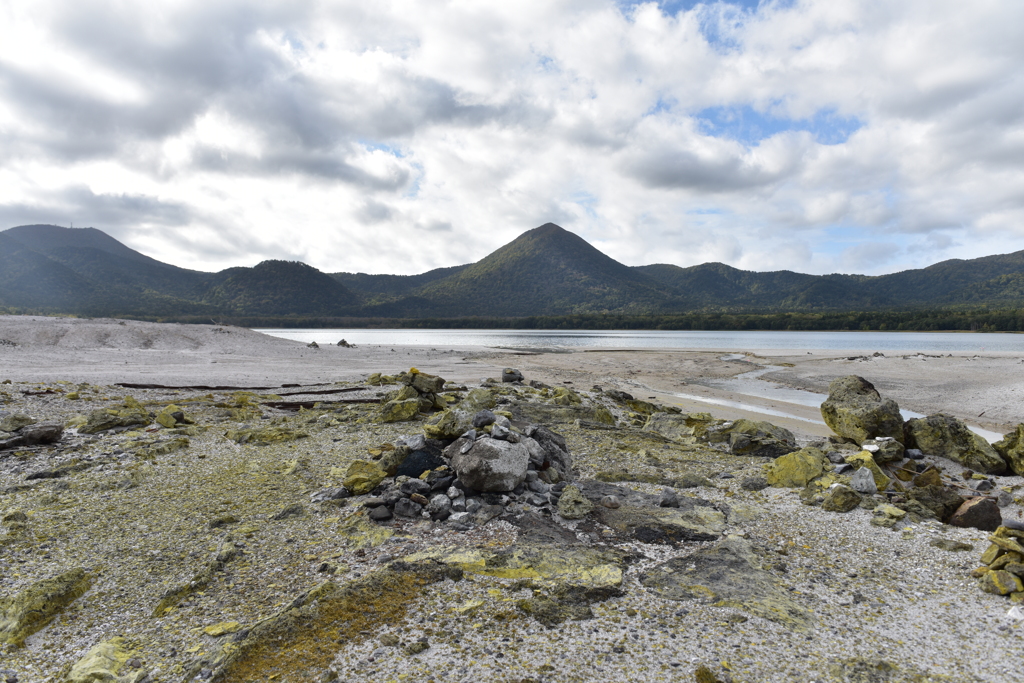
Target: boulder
pixel 427 384
pixel 855 410
pixel 977 513
pixel 553 453
pixel 863 481
pixel 1011 448
pixel 681 428
pixel 797 469
pixel 363 477
pixel 14 422
pixel 573 504
pixel 33 435
pixel 511 375
pixel 129 414
pixel 884 449
pixel 840 498
pixel 399 411
pixel 759 439
pixel 489 464
pixel 448 424
pixel 948 437
pixel 1000 582
pixel 939 499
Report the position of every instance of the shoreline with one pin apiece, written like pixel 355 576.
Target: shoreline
pixel 986 390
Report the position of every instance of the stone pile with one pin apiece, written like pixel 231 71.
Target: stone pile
pixel 420 393
pixel 468 480
pixel 1002 570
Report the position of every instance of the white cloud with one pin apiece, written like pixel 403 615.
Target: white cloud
pixel 817 136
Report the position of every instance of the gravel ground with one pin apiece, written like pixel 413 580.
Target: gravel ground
pixel 141 525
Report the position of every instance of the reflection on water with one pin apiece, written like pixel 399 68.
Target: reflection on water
pixel 903 342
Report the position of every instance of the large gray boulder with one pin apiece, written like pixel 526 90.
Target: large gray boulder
pixel 755 438
pixel 855 410
pixel 489 464
pixel 946 436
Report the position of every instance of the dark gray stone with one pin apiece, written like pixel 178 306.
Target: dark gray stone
pixel 483 418
pixel 407 508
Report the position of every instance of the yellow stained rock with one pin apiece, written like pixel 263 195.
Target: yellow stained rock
pixel 101 663
pixel 362 477
pixel 222 628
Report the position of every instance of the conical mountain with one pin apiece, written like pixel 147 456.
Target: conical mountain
pixel 545 271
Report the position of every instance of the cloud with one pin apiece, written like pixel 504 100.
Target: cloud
pixel 399 137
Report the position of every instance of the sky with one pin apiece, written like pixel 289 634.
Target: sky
pixel 864 136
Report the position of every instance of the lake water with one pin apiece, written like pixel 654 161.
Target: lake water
pixel 746 384
pixel 902 342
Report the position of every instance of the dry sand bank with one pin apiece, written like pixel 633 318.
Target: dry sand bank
pixel 983 390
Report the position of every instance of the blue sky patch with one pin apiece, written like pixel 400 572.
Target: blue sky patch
pixel 749 126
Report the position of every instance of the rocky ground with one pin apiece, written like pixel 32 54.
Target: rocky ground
pixel 230 533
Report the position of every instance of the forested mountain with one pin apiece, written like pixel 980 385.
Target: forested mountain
pixel 546 271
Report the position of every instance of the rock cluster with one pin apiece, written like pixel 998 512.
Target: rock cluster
pixel 491 465
pixel 1002 570
pixel 879 463
pixel 419 393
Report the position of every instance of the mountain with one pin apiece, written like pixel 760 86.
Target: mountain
pixel 279 288
pixel 545 271
pixel 384 288
pixel 97 256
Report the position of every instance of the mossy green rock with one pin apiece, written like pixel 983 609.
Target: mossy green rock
pixel 681 428
pixel 728 574
pixel 128 414
pixel 362 477
pixel 573 504
pixel 102 663
pixel 840 498
pixel 797 469
pixel 172 416
pixel 33 608
pixel 1011 448
pixel 448 424
pixel 855 410
pixel 948 437
pixel 292 639
pixel 754 438
pixel 12 423
pixel 399 411
pixel 427 384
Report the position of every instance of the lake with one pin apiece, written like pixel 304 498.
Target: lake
pixel 903 342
